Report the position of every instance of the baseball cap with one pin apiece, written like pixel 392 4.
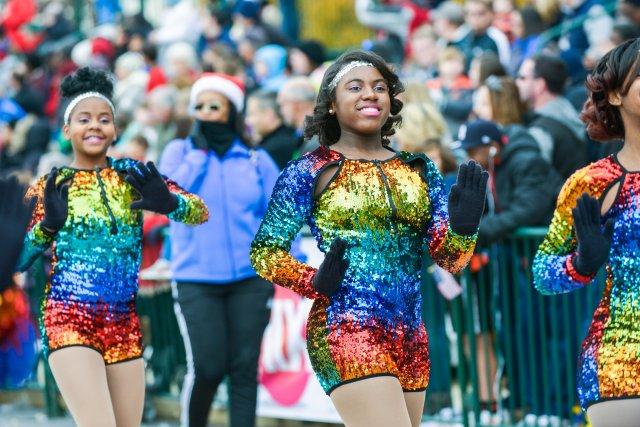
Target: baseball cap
pixel 477 133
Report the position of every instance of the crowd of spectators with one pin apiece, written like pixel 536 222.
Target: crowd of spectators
pixel 520 65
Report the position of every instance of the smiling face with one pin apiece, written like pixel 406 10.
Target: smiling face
pixel 362 101
pixel 91 130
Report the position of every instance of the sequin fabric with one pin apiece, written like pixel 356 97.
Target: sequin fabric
pixel 609 365
pixel 386 211
pixel 90 295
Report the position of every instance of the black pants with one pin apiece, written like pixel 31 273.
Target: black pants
pixel 222 328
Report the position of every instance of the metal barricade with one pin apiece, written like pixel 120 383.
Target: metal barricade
pixel 501 353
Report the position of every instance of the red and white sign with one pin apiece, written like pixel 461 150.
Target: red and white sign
pixel 288 387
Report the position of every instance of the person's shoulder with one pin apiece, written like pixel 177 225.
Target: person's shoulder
pixel 312 162
pixel 593 178
pixel 407 156
pixel 179 143
pixel 261 156
pixel 287 132
pixel 176 148
pixel 605 169
pixel 419 159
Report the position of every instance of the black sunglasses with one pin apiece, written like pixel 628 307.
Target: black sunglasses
pixel 212 106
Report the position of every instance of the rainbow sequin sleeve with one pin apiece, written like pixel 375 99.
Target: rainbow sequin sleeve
pixel 553 271
pixel 290 206
pixel 448 249
pixel 191 209
pixel 36 241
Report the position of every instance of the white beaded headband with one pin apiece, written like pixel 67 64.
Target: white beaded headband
pixel 77 99
pixel 344 70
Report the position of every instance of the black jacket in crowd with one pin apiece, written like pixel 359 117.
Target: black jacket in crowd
pixel 281 144
pixel 569 151
pixel 525 188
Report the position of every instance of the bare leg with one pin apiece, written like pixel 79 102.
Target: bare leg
pixel 619 413
pixel 415 406
pixel 82 379
pixel 126 385
pixel 372 402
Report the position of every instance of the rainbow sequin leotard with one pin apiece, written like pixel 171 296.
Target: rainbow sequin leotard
pixel 609 365
pixel 386 211
pixel 90 295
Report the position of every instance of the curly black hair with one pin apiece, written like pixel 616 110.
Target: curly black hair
pixel 87 80
pixel 615 72
pixel 326 125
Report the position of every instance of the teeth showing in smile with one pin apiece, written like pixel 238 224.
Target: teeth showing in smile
pixel 370 111
pixel 93 139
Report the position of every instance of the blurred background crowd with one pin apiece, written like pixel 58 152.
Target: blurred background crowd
pixel 498 81
pixel 518 64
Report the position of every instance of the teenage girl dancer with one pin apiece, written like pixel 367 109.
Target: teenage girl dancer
pixel 90 214
pixel 597 223
pixel 372 211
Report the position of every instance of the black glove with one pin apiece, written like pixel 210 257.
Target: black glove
pixel 467 198
pixel 329 276
pixel 593 245
pixel 156 196
pixel 56 204
pixel 14 217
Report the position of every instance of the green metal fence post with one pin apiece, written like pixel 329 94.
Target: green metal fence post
pixel 457 318
pixel 468 285
pixel 505 322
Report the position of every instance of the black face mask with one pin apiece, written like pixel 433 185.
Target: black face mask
pixel 215 136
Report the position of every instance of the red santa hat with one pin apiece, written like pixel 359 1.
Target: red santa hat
pixel 229 86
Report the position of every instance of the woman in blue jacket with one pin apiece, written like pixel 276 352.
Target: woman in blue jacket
pixel 222 305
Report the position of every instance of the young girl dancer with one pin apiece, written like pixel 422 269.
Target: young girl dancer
pixel 90 213
pixel 597 223
pixel 371 211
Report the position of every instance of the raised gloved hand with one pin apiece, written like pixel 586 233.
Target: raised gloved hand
pixel 467 198
pixel 155 195
pixel 14 217
pixel 329 276
pixel 593 244
pixel 56 204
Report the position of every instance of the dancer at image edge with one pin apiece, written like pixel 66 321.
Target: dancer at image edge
pixel 597 224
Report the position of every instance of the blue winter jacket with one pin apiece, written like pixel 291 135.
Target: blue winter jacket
pixel 236 189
